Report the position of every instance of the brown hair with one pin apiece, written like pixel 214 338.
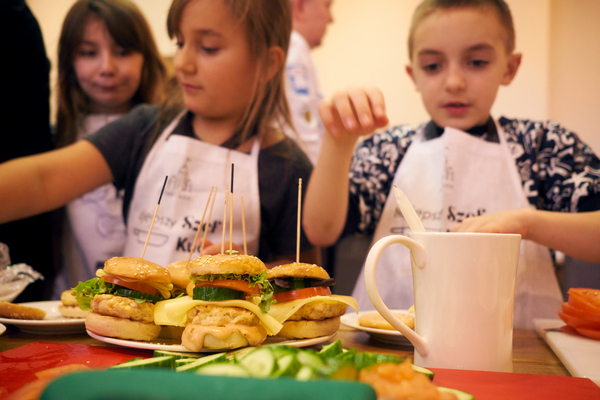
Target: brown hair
pixel 267 23
pixel 428 6
pixel 130 30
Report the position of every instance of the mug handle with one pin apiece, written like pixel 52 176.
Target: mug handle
pixel 417 254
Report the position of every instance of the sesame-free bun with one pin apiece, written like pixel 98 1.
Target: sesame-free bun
pixel 17 311
pixel 137 268
pixel 297 270
pixel 121 328
pixel 305 329
pixel 227 264
pixel 179 273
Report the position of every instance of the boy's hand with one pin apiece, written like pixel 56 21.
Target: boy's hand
pixel 215 248
pixel 354 113
pixel 508 221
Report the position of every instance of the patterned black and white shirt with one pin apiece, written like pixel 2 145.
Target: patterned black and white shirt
pixel 558 171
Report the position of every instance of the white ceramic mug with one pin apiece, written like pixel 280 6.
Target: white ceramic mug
pixel 464 295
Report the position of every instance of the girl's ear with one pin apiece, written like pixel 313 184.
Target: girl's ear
pixel 409 71
pixel 514 60
pixel 276 58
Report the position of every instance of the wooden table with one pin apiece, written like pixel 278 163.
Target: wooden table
pixel 531 355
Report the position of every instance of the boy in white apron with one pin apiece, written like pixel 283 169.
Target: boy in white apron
pixel 462 164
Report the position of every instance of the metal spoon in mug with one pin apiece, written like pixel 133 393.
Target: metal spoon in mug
pixel 414 223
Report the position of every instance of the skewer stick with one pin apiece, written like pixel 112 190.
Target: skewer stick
pixel 224 219
pixel 201 224
pixel 212 203
pixel 244 226
pixel 154 217
pixel 231 214
pixel 299 220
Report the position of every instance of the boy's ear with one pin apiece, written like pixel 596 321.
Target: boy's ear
pixel 514 60
pixel 276 58
pixel 409 71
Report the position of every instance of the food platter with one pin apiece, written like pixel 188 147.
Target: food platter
pixel 381 335
pixel 175 345
pixel 53 324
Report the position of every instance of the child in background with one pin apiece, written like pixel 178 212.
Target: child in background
pixel 229 66
pixel 108 62
pixel 461 163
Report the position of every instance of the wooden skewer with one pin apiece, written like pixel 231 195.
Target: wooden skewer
pixel 231 214
pixel 224 219
pixel 154 217
pixel 200 226
pixel 244 226
pixel 212 203
pixel 299 220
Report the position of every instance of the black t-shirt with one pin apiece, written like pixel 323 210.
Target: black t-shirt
pixel 124 144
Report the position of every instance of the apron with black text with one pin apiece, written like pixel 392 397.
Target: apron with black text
pixel 448 179
pixel 192 167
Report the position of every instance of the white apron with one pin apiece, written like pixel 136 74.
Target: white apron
pixel 448 179
pixel 193 167
pixel 94 229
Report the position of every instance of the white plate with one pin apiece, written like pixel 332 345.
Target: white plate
pixel 172 345
pixel 53 324
pixel 580 355
pixel 382 335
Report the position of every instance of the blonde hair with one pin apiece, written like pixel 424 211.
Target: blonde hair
pixel 428 6
pixel 130 30
pixel 267 23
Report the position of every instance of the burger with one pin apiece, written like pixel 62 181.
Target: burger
pixel 122 298
pixel 226 306
pixel 179 276
pixel 69 307
pixel 304 303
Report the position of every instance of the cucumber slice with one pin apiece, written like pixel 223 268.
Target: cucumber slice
pixel 179 362
pixel 200 362
pixel 260 362
pixel 332 350
pixel 176 354
pixel 217 294
pixel 458 393
pixel 310 359
pixel 134 294
pixel 422 370
pixel 223 369
pixel 306 373
pixel 287 365
pixel 295 283
pixel 167 362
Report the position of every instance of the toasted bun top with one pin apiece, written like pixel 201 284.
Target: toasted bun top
pixel 297 270
pixel 226 264
pixel 137 268
pixel 179 273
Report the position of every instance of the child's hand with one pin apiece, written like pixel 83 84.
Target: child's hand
pixel 354 113
pixel 509 221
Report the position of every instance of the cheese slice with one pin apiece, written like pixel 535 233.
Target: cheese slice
pixel 174 311
pixel 163 288
pixel 283 310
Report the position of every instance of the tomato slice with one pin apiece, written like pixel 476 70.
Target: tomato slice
pixel 577 322
pixel 137 286
pixel 585 299
pixel 591 333
pixel 302 293
pixel 242 286
pixel 579 313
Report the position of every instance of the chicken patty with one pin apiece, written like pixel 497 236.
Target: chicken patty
pixel 319 310
pixel 221 316
pixel 122 307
